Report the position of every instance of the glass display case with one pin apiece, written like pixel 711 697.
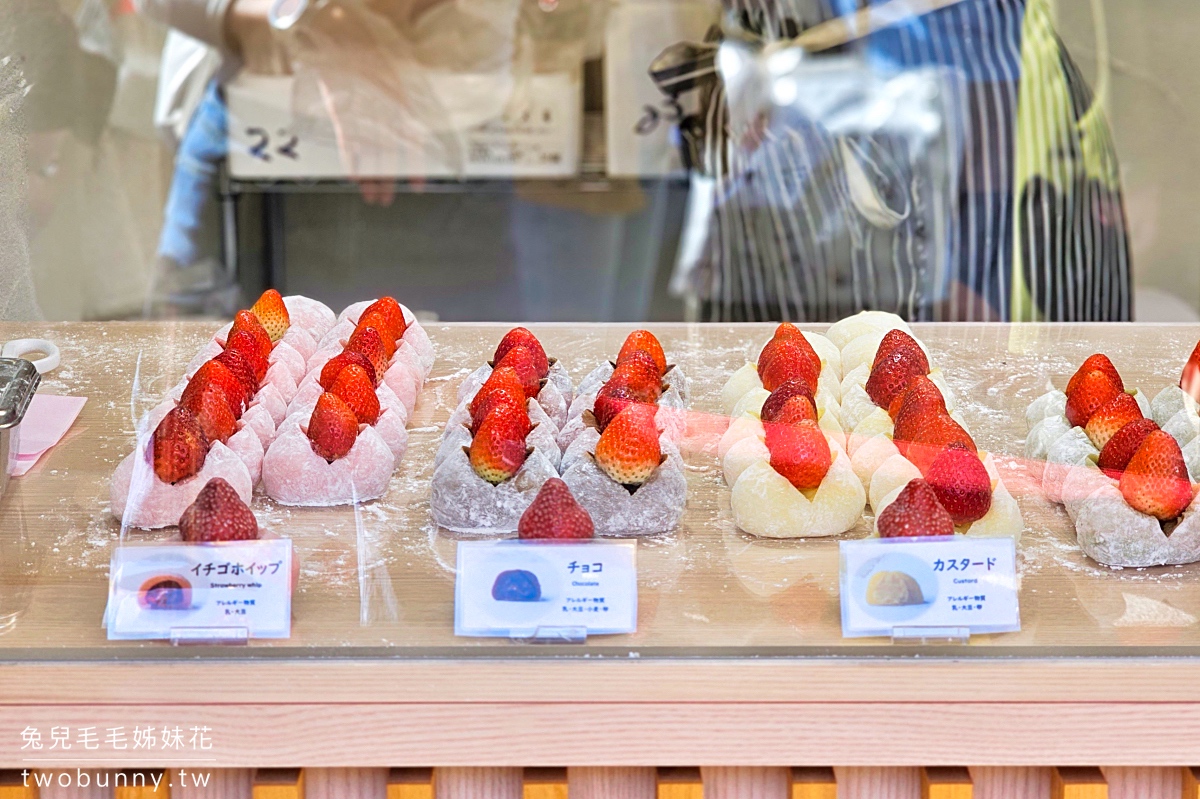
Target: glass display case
pixel 762 300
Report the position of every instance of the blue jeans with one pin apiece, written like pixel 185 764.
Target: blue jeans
pixel 205 145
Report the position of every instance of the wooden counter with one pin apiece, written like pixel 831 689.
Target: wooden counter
pixel 373 675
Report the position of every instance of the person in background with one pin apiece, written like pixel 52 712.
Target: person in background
pixel 802 222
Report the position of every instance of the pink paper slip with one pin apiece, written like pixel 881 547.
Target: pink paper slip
pixel 47 420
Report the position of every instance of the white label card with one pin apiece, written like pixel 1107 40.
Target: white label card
pixel 958 582
pixel 518 589
pixel 156 589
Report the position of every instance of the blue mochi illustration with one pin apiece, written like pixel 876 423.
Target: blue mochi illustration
pixel 516 585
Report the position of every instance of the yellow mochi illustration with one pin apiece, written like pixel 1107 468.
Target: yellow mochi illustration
pixel 891 588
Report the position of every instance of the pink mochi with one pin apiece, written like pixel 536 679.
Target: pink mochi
pixel 294 474
pixel 140 499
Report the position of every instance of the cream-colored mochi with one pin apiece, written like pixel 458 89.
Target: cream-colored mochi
pixel 767 505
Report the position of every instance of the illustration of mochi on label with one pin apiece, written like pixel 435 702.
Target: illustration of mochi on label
pixel 345 428
pixel 893 588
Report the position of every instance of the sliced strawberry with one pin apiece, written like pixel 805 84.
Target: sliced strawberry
pixel 216 373
pixel 1092 392
pixel 788 360
pixel 799 452
pixel 916 512
pixel 1095 363
pixel 498 449
pixel 211 408
pixel 899 341
pixel 179 446
pixel 504 377
pixel 334 366
pixel 368 342
pixel 246 322
pixel 628 450
pixel 1156 480
pixel 781 395
pixel 249 347
pixel 521 337
pixel 1111 417
pixel 272 314
pixel 644 341
pixel 789 345
pixel 555 515
pixel 933 437
pixel 390 316
pixel 355 387
pixel 497 397
pixel 961 483
pixel 1120 448
pixel 332 428
pixel 218 514
pixel 891 375
pixel 522 362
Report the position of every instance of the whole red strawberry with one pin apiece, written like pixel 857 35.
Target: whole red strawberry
pixel 614 397
pixel 919 403
pixel 788 360
pixel 644 341
pixel 246 322
pixel 386 316
pixel 639 371
pixel 781 395
pixel 1096 363
pixel 1121 447
pixel 216 373
pixel 497 397
pixel 892 374
pixel 796 410
pixel 332 428
pixel 354 387
pixel 1156 480
pixel 247 346
pixel 934 436
pixel 272 314
pixel 236 362
pixel 961 483
pixel 915 513
pixel 218 514
pixel 628 450
pixel 521 337
pixel 501 378
pixel 211 409
pixel 367 342
pixel 799 452
pixel 334 366
pixel 498 450
pixel 1111 417
pixel 555 515
pixel 386 343
pixel 789 341
pixel 178 446
pixel 522 361
pixel 1189 381
pixel 899 341
pixel 1091 392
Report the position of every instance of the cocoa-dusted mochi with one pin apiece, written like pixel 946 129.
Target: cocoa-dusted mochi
pixel 293 474
pixel 140 499
pixel 1113 533
pixel 655 507
pixel 552 398
pixel 464 502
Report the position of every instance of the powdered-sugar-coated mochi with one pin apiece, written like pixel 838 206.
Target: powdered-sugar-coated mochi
pixel 140 499
pixel 462 501
pixel 295 363
pixel 293 474
pixel 300 340
pixel 247 446
pixel 314 316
